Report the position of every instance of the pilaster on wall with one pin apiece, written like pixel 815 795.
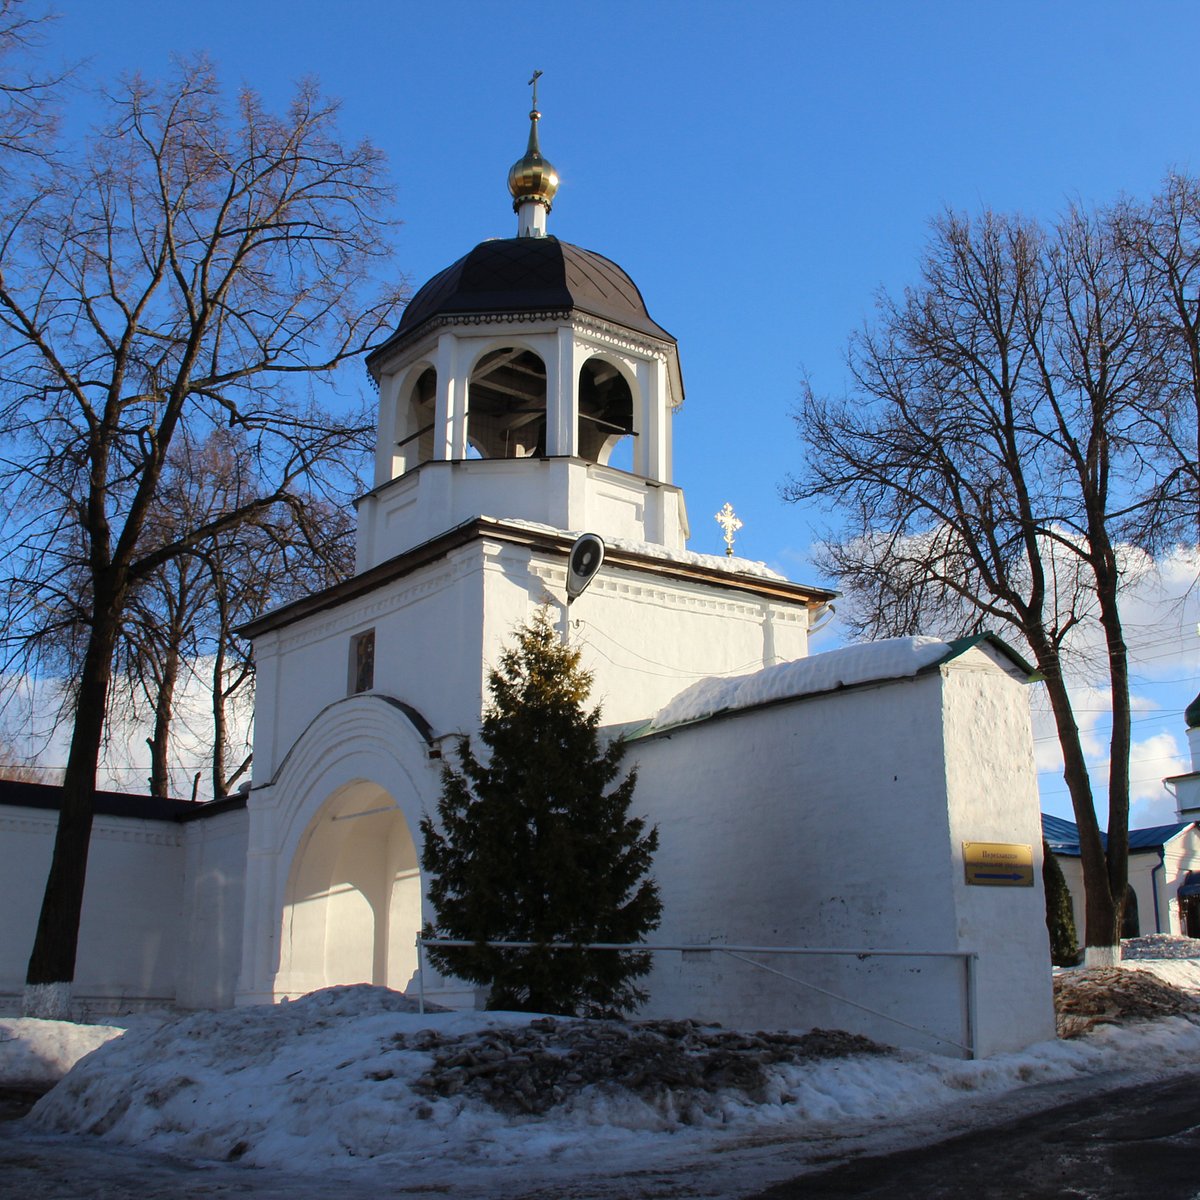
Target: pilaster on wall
pixel 657 417
pixel 562 394
pixel 386 458
pixel 449 416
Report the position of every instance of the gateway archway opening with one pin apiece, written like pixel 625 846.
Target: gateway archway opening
pixel 353 902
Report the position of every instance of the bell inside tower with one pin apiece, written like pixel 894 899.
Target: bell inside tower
pixel 506 415
pixel 418 446
pixel 605 410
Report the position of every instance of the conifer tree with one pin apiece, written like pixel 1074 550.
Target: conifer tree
pixel 532 845
pixel 1060 916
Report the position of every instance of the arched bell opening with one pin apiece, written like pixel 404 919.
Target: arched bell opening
pixel 416 420
pixel 605 415
pixel 506 405
pixel 352 907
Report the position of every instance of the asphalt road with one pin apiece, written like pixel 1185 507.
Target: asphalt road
pixel 1124 1143
pixel 1135 1142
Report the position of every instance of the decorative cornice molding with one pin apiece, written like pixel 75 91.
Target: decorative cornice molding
pixel 544 540
pixel 618 337
pixel 606 332
pixel 101 829
pixel 350 616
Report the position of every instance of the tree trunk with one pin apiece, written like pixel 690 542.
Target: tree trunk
pixel 1119 744
pixel 1102 919
pixel 219 785
pixel 164 707
pixel 51 969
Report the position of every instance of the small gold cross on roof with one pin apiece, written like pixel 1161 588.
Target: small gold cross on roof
pixel 730 524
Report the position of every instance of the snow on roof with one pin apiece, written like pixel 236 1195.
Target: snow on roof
pixel 893 658
pixel 714 562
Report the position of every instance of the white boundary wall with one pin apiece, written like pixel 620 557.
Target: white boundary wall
pixel 162 909
pixel 838 821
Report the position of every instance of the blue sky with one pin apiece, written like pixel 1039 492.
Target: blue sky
pixel 761 169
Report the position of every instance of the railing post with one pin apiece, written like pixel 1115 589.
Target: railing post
pixel 972 961
pixel 420 975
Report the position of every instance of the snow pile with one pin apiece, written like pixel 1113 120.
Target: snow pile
pixel 1159 946
pixel 892 658
pixel 1091 996
pixel 37 1053
pixel 681 1069
pixel 352 1076
pixel 730 564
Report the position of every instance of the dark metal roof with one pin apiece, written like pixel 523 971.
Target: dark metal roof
pixel 529 275
pixel 19 794
pixel 1063 836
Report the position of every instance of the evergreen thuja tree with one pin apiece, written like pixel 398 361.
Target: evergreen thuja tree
pixel 1060 916
pixel 534 843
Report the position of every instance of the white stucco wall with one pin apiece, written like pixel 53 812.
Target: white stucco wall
pixel 992 796
pixel 130 928
pixel 564 492
pixel 837 822
pixel 209 951
pixel 441 628
pixel 1180 855
pixel 1149 882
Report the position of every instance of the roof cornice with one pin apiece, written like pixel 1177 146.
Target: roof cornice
pixel 544 540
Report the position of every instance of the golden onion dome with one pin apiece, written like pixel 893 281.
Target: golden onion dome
pixel 532 177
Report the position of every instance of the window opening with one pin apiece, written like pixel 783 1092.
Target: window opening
pixel 362 662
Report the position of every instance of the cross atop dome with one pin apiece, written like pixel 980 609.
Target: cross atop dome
pixel 532 180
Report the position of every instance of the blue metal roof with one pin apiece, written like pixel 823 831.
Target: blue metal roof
pixel 1063 836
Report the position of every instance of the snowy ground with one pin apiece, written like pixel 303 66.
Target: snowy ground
pixel 337 1087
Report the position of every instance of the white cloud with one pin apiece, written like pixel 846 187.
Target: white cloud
pixel 1151 760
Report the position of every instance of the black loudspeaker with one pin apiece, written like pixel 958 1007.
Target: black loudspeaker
pixel 586 556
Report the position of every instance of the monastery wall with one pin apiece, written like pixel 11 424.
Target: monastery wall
pixel 836 822
pixel 162 909
pixel 130 928
pixel 210 945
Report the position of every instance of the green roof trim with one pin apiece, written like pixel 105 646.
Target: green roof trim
pixel 959 646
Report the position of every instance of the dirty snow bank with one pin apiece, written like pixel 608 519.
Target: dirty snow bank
pixel 1160 946
pixel 342 1078
pixel 892 658
pixel 36 1053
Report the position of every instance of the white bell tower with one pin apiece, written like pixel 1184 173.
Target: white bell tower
pixel 513 378
pixel 526 397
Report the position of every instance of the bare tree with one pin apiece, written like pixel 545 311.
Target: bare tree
pixel 17 768
pixel 1165 237
pixel 989 464
pixel 28 98
pixel 187 272
pixel 181 626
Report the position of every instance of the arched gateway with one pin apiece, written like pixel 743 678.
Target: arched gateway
pixel 334 853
